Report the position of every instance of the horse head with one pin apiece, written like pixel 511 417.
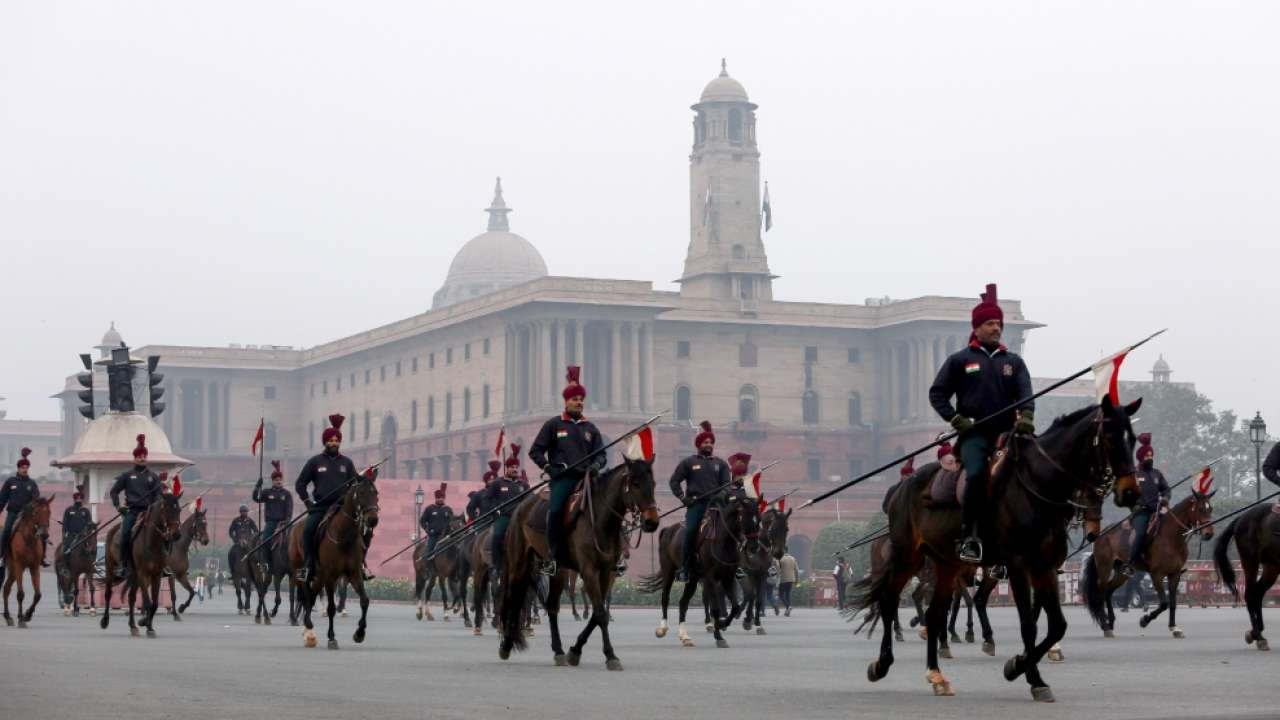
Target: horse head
pixel 39 513
pixel 200 526
pixel 1200 512
pixel 775 525
pixel 361 502
pixel 167 515
pixel 638 488
pixel 1094 445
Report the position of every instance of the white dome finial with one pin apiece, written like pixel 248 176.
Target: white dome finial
pixel 498 209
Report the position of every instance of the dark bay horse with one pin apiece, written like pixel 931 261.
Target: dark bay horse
pixel 194 529
pixel 154 531
pixel 79 563
pixel 1166 558
pixel 271 574
pixel 238 563
pixel 1257 536
pixel 449 568
pixel 482 577
pixel 725 531
pixel 26 553
pixel 1032 482
pixel 594 545
pixel 340 556
pixel 757 558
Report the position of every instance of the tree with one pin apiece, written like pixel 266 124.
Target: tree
pixel 837 536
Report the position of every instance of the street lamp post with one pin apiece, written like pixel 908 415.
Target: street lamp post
pixel 418 497
pixel 1258 435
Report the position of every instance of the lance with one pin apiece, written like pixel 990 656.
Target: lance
pixel 1231 514
pixel 953 434
pixel 480 523
pixel 119 514
pixel 333 493
pixel 1117 524
pixel 869 537
pixel 677 508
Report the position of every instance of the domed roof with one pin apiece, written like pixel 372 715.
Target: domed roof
pixel 110 439
pixel 1161 365
pixel 111 338
pixel 490 261
pixel 724 88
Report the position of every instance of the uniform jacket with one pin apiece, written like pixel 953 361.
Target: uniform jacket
pixel 17 492
pixel 1153 486
pixel 500 491
pixel 140 489
pixel 982 383
pixel 328 475
pixel 239 522
pixel 277 502
pixel 563 440
pixel 435 520
pixel 75 520
pixel 700 476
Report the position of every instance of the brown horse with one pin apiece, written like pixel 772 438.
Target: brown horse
pixel 239 564
pixel 26 554
pixel 1257 537
pixel 725 532
pixel 339 556
pixel 272 574
pixel 1031 485
pixel 1166 558
pixel 194 529
pixel 757 558
pixel 449 568
pixel 70 567
pixel 482 577
pixel 594 545
pixel 157 527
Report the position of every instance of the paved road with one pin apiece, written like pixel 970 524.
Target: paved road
pixel 216 664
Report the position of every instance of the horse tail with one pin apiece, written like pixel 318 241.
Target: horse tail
pixel 650 583
pixel 515 590
pixel 655 582
pixel 1222 562
pixel 1091 590
pixel 868 592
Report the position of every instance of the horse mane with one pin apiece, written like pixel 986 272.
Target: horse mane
pixel 1062 421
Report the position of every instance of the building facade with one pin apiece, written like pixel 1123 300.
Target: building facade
pixel 829 389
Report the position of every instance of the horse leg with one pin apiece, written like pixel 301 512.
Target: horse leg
pixel 689 589
pixel 717 598
pixel 444 599
pixel 35 591
pixel 17 576
pixel 133 601
pixel 8 585
pixel 1261 586
pixel 477 602
pixel 154 605
pixel 274 582
pixel 554 588
pixel 887 601
pixel 1174 579
pixel 1158 581
pixel 332 610
pixel 611 660
pixel 191 593
pixel 936 622
pixel 980 604
pixel 1046 597
pixel 460 597
pixel 668 579
pixel 1020 586
pixel 363 624
pixel 426 598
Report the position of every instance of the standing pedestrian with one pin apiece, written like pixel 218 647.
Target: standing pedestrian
pixel 788 573
pixel 841 575
pixel 770 583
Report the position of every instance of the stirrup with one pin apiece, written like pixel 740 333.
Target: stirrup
pixel 621 567
pixel 547 567
pixel 970 550
pixel 999 572
pixel 682 575
pixel 739 573
pixel 367 575
pixel 304 574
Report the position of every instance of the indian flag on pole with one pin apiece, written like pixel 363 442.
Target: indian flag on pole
pixel 639 445
pixel 767 209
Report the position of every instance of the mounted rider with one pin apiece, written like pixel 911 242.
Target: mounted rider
pixel 984 377
pixel 1271 466
pixel 739 466
pixel 512 469
pixel 277 507
pixel 436 518
pixel 476 505
pixel 1154 498
pixel 703 475
pixel 330 472
pixel 503 488
pixel 242 523
pixel 18 492
pixel 563 443
pixel 140 487
pixel 75 519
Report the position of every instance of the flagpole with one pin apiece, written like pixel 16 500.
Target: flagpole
pixel 953 434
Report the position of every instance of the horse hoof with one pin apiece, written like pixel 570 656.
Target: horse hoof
pixel 711 628
pixel 944 652
pixel 9 621
pixel 687 642
pixel 431 618
pixel 1177 632
pixel 75 613
pixel 1013 668
pixel 1108 633
pixel 941 686
pixel 308 638
pixel 1248 637
pixel 575 658
pixel 106 619
pixel 22 624
pixel 358 637
pixel 989 648
pixel 467 622
pixel 968 637
pixel 504 651
pixel 477 631
pixel 266 619
pixel 955 638
pixel 333 644
pixel 1263 645
pixel 134 632
pixel 613 664
pixel 151 633
pixel 93 611
pixel 419 613
pixel 1055 656
pixel 66 612
pixel 660 632
pixel 257 619
pixel 177 617
pixel 914 622
pixel 1142 623
pixel 722 643
pixel 1042 694
pixel 561 660
pixel 446 618
pixel 897 635
pixel 343 613
pixel 760 631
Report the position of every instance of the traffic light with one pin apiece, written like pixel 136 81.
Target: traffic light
pixel 153 383
pixel 86 381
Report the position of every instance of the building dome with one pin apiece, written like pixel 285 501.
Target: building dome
pixel 111 437
pixel 1161 365
pixel 490 261
pixel 724 88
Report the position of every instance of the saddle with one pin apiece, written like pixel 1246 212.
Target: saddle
pixel 946 489
pixel 329 513
pixel 1152 528
pixel 572 509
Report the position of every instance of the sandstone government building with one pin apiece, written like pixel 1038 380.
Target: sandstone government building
pixel 827 389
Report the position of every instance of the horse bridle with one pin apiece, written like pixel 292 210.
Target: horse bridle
pixel 740 542
pixel 631 510
pixel 357 514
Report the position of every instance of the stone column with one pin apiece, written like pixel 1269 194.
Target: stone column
pixel 615 365
pixel 890 386
pixel 634 355
pixel 506 370
pixel 646 355
pixel 226 417
pixel 553 365
pixel 544 362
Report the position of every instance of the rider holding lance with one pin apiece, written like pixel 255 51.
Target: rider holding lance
pixel 512 468
pixel 702 474
pixel 329 472
pixel 241 523
pixel 74 519
pixel 436 518
pixel 18 491
pixel 984 378
pixel 503 488
pixel 739 464
pixel 140 487
pixel 1154 498
pixel 563 442
pixel 277 505
pixel 476 505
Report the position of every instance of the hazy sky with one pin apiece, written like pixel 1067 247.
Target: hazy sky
pixel 289 173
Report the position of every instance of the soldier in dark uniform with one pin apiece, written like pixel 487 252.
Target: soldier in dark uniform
pixel 1154 498
pixel 984 378
pixel 140 487
pixel 330 472
pixel 476 504
pixel 277 508
pixel 512 469
pixel 241 523
pixel 703 475
pixel 436 518
pixel 1271 466
pixel 562 449
pixel 502 489
pixel 75 519
pixel 18 491
pixel 739 465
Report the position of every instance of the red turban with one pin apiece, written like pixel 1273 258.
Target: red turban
pixel 706 434
pixel 1144 447
pixel 440 493
pixel 739 463
pixel 334 430
pixel 276 472
pixel 141 450
pixel 573 388
pixel 989 308
pixel 514 458
pixel 24 461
